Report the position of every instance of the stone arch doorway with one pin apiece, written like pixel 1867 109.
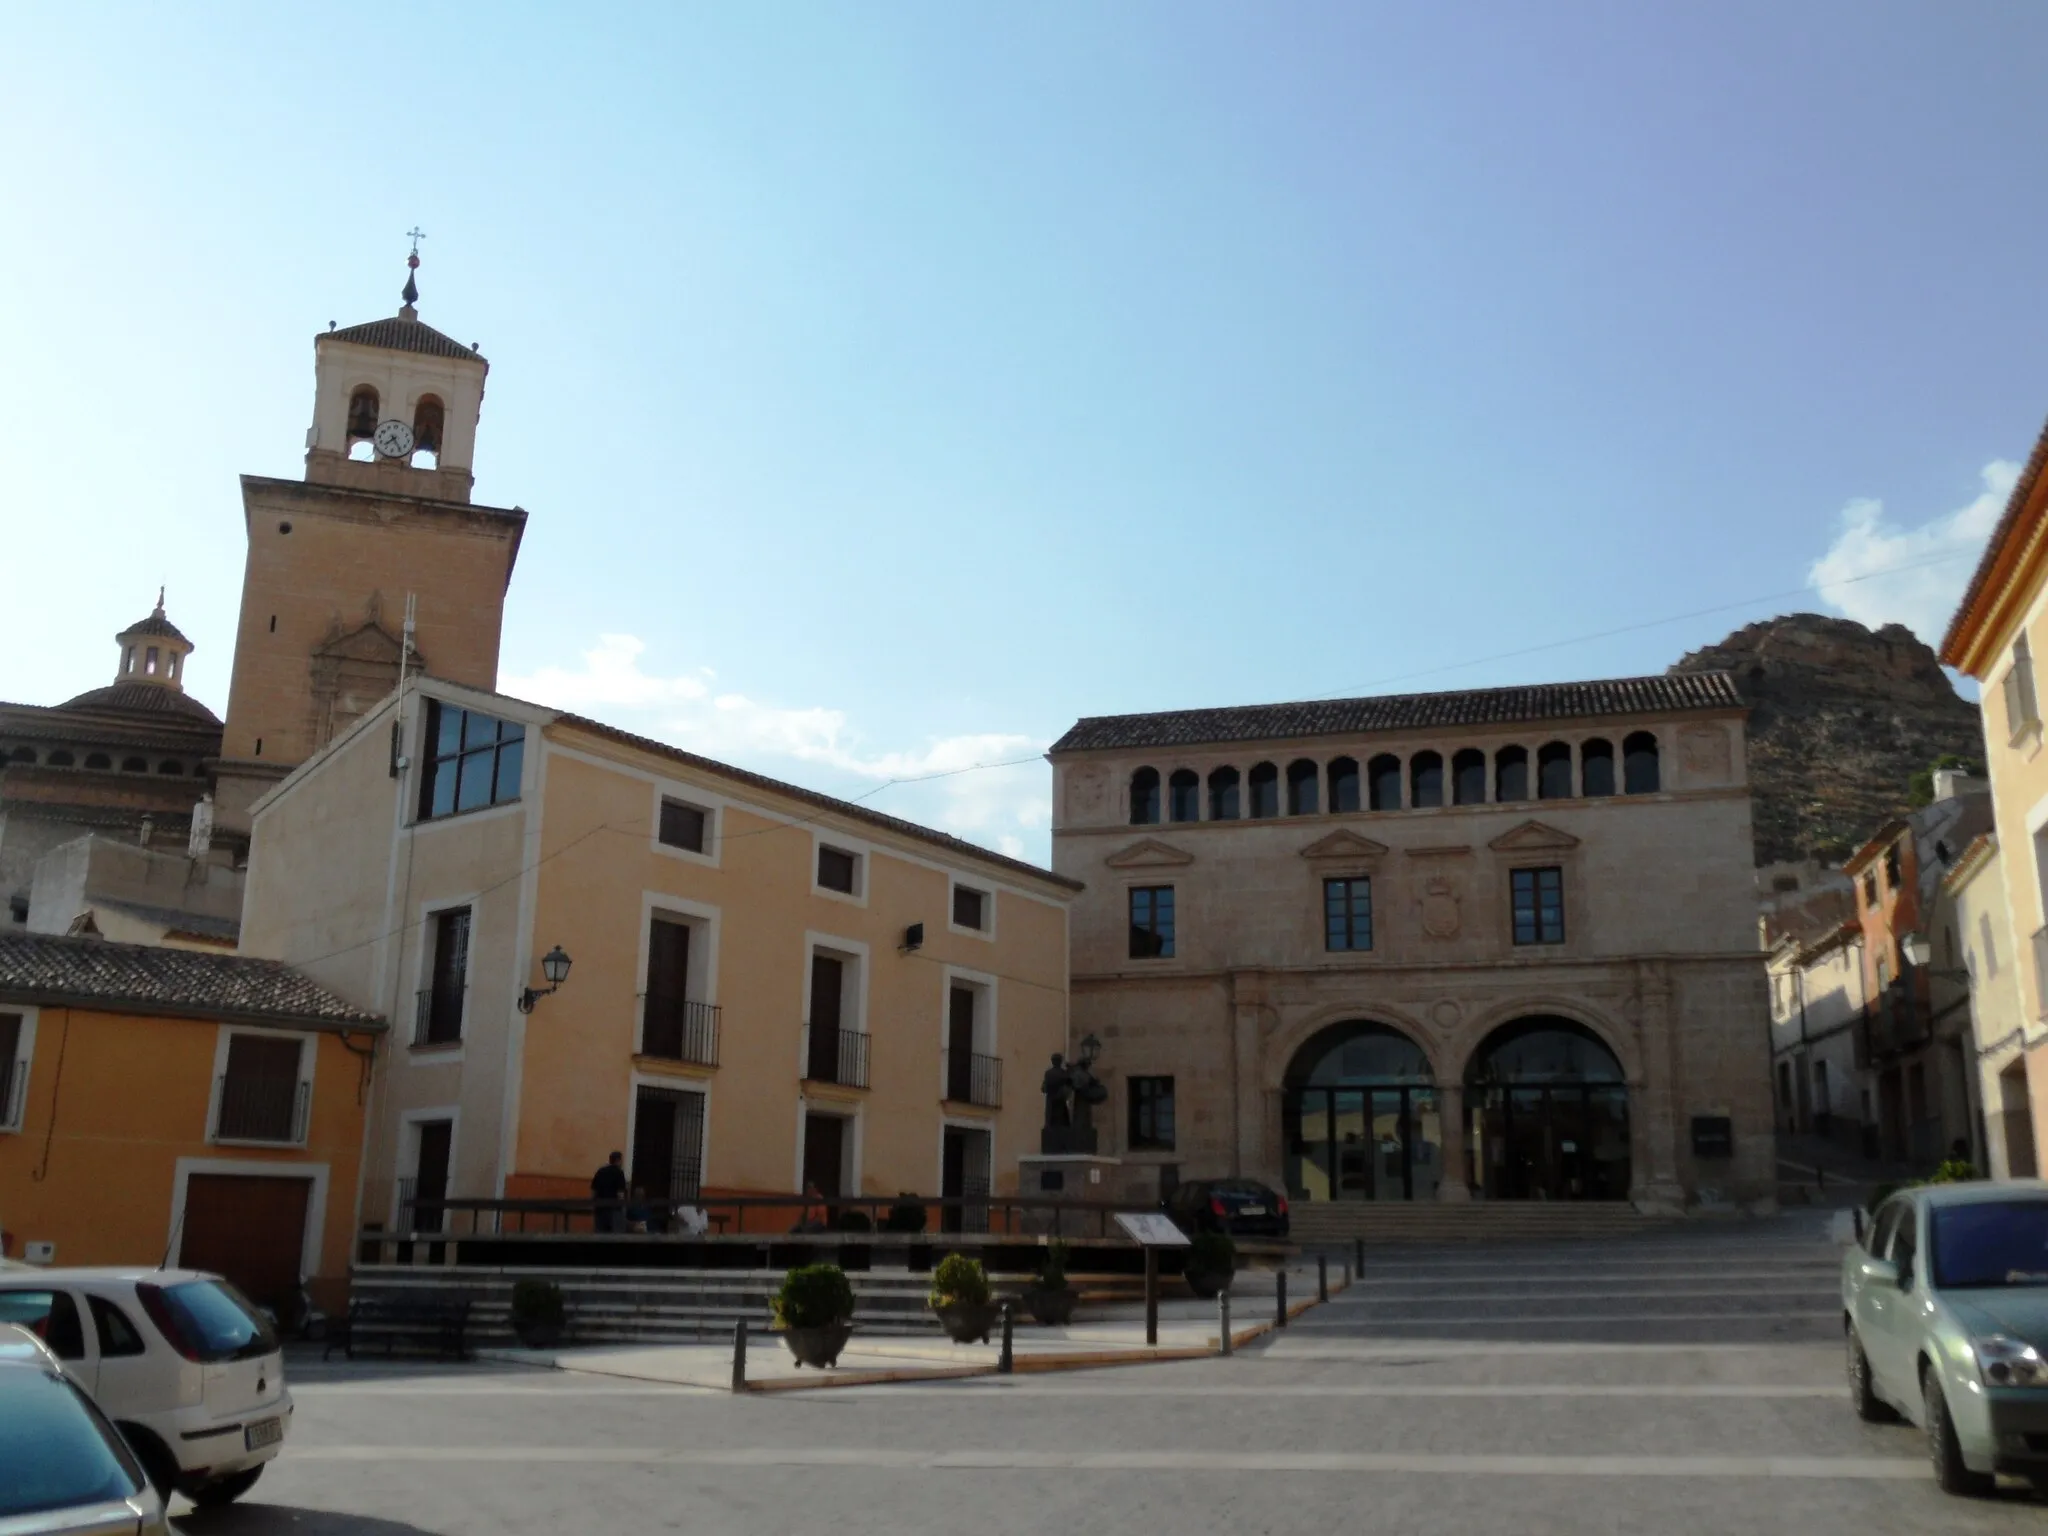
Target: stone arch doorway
pixel 1360 1117
pixel 1548 1105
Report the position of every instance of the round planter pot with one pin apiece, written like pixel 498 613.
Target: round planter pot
pixel 966 1322
pixel 1053 1309
pixel 538 1335
pixel 817 1347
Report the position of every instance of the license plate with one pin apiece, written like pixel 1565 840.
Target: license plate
pixel 263 1432
pixel 1251 1210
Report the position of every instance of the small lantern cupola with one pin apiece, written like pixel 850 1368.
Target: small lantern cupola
pixel 153 650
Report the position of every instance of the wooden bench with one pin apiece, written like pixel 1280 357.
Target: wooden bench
pixel 443 1323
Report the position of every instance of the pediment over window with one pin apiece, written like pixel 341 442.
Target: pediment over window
pixel 371 643
pixel 1531 837
pixel 1344 844
pixel 1148 853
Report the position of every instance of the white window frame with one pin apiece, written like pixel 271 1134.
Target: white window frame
pixel 311 1245
pixel 984 985
pixel 853 1003
pixel 309 1056
pixel 674 1083
pixel 703 921
pixel 407 1163
pixel 853 1113
pixel 25 1056
pixel 422 973
pixel 863 857
pixel 987 932
pixel 714 823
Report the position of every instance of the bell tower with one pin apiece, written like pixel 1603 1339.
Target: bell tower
pixel 383 515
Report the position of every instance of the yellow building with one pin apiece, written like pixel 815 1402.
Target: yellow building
pixel 770 988
pixel 174 1104
pixel 2002 615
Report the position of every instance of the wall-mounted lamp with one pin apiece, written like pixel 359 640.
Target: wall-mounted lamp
pixel 555 966
pixel 913 938
pixel 1919 952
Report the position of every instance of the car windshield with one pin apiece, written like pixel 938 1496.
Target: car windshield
pixel 57 1452
pixel 1996 1242
pixel 218 1322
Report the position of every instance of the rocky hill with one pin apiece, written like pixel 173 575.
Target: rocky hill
pixel 1840 718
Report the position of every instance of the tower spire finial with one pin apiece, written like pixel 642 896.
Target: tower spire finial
pixel 159 599
pixel 411 292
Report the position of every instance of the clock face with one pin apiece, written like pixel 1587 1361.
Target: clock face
pixel 393 439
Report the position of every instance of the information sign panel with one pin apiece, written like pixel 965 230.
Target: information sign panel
pixel 1151 1229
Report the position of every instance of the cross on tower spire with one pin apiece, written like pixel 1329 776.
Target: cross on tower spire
pixel 411 292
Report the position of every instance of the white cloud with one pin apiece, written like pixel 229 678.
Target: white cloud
pixel 1006 808
pixel 1937 557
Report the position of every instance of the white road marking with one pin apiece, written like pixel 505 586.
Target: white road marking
pixel 897 1458
pixel 1511 1319
pixel 1289 1351
pixel 1027 1387
pixel 1357 1298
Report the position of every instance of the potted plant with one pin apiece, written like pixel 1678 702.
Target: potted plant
pixel 1211 1261
pixel 537 1313
pixel 814 1311
pixel 906 1215
pixel 1050 1299
pixel 960 1296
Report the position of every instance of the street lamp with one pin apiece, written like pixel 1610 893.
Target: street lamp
pixel 1919 952
pixel 555 966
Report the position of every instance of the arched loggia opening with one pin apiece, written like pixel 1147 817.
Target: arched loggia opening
pixel 1548 1103
pixel 1359 1117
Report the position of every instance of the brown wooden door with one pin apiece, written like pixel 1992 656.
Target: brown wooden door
pixel 960 1045
pixel 825 1154
pixel 828 978
pixel 250 1229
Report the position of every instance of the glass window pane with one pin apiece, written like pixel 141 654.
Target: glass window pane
pixel 447 729
pixel 511 756
pixel 478 730
pixel 474 788
pixel 441 799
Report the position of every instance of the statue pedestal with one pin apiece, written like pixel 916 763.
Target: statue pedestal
pixel 1065 1176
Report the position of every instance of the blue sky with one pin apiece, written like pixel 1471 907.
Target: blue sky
pixel 890 385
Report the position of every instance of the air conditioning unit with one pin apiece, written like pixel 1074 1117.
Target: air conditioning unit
pixel 40 1253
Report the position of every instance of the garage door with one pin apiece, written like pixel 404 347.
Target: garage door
pixel 250 1228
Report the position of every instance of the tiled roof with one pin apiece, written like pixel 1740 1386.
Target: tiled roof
pixel 199 924
pixel 398 334
pixel 156 625
pixel 2008 522
pixel 56 969
pixel 841 807
pixel 1663 694
pixel 143 699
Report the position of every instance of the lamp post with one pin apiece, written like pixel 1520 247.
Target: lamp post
pixel 555 966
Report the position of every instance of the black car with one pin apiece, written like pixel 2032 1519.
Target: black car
pixel 1236 1207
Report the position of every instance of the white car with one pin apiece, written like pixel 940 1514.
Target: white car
pixel 188 1370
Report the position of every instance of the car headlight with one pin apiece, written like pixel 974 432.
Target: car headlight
pixel 2006 1362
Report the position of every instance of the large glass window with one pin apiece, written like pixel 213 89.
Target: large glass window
pixel 1359 1118
pixel 1385 786
pixel 1152 922
pixel 1426 779
pixel 1184 799
pixel 1347 913
pixel 1151 1114
pixel 1301 788
pixel 473 760
pixel 1539 905
pixel 1547 1107
pixel 1265 790
pixel 1223 795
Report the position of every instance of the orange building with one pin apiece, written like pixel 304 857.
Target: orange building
pixel 161 1104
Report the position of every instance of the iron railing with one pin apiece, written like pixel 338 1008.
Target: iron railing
pixel 437 1017
pixel 676 1029
pixel 261 1108
pixel 836 1056
pixel 972 1078
pixel 411 1218
pixel 13 1093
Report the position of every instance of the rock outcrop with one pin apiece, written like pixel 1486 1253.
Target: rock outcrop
pixel 1841 717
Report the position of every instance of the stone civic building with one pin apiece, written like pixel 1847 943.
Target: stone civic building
pixel 1494 944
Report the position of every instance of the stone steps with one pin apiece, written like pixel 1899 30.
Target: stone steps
pixel 1476 1222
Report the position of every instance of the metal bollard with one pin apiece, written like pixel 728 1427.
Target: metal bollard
pixel 1358 1257
pixel 1006 1362
pixel 1322 1277
pixel 1280 1300
pixel 1223 1343
pixel 739 1356
pixel 1347 1274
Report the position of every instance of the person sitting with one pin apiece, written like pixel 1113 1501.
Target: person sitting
pixel 637 1210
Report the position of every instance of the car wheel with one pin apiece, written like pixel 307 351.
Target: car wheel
pixel 1870 1408
pixel 225 1490
pixel 1944 1449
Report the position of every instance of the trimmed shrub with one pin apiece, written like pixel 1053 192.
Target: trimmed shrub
pixel 855 1221
pixel 959 1280
pixel 906 1215
pixel 537 1301
pixel 814 1296
pixel 1052 1268
pixel 1955 1171
pixel 1212 1253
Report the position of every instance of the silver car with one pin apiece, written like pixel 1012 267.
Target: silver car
pixel 1945 1301
pixel 64 1471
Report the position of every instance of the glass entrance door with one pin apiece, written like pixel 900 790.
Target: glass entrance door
pixel 1363 1143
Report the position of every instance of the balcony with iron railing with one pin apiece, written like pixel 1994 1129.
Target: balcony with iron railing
pixel 972 1078
pixel 411 1218
pixel 836 1056
pixel 678 1029
pixel 437 1016
pixel 271 1110
pixel 13 1094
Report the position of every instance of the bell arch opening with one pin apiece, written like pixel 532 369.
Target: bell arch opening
pixel 1359 1117
pixel 1547 1103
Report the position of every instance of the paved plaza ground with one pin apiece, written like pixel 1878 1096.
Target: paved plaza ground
pixel 1686 1382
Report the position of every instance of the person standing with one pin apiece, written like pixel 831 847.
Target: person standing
pixel 608 1188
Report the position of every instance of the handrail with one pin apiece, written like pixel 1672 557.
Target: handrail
pixel 678 1029
pixel 974 1078
pixel 835 1056
pixel 258 1109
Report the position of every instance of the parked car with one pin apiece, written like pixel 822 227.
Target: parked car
pixel 191 1374
pixel 1236 1207
pixel 1945 1301
pixel 68 1472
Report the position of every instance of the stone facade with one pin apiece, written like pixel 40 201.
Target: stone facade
pixel 1657 958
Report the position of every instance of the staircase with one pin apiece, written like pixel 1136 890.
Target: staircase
pixel 1481 1221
